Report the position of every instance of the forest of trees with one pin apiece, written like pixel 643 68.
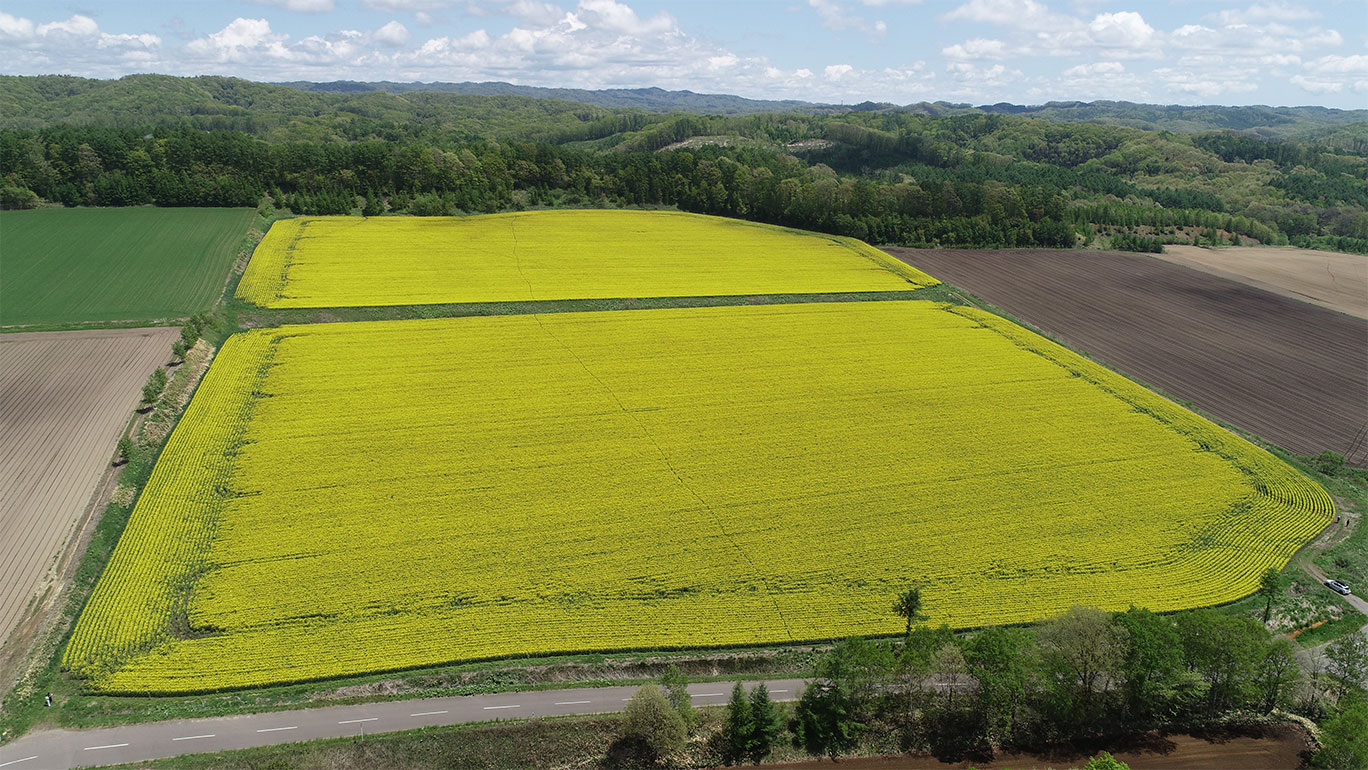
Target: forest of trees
pixel 1084 678
pixel 969 179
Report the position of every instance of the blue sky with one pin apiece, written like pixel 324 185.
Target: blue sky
pixel 843 51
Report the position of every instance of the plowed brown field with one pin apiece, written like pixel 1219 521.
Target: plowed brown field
pixel 64 396
pixel 1291 372
pixel 1326 278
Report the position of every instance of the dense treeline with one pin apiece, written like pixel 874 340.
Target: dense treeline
pixel 111 167
pixel 1086 674
pixel 962 179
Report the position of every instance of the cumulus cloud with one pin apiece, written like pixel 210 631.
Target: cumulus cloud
pixel 1016 14
pixel 1096 68
pixel 977 48
pixel 73 44
pixel 242 40
pixel 301 6
pixel 1125 29
pixel 838 17
pixel 1265 12
pixel 392 33
pixel 1102 49
pixel 838 71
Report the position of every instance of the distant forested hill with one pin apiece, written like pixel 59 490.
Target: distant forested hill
pixel 650 99
pixel 930 174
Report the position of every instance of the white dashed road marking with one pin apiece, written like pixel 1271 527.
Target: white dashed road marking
pixel 277 729
pixel 354 721
pixel 708 695
pixel 513 706
pixel 193 737
pixel 427 713
pixel 571 702
pixel 17 761
pixel 110 746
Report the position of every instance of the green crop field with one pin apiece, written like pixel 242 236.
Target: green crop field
pixel 68 266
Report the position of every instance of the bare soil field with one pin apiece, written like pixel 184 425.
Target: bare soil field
pixel 1277 747
pixel 1326 278
pixel 1291 372
pixel 64 398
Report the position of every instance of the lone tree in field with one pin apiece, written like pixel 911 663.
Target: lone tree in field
pixel 125 450
pixel 653 722
pixel 909 605
pixel 156 382
pixel 1271 585
pixel 178 349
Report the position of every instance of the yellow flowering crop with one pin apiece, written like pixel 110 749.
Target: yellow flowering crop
pixel 546 255
pixel 347 498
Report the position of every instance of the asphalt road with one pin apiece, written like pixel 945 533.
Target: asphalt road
pixel 62 749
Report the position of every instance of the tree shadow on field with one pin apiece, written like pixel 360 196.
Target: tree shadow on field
pixel 628 754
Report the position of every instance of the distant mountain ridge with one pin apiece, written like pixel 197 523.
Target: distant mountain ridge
pixel 1261 119
pixel 509 110
pixel 649 99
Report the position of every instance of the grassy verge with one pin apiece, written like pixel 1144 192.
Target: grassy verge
pixel 250 315
pixel 567 671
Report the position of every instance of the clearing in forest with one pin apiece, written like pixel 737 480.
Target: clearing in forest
pixel 91 265
pixel 347 498
pixel 551 255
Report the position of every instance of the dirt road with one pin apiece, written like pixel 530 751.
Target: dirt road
pixel 1291 372
pixel 64 398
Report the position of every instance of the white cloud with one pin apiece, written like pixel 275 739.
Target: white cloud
pixel 1317 86
pixel 1125 29
pixel 1014 14
pixel 392 33
pixel 977 48
pixel 15 28
pixel 1358 63
pixel 1096 68
pixel 534 11
pixel 838 71
pixel 412 6
pixel 1207 84
pixel 836 16
pixel 1264 12
pixel 301 6
pixel 242 40
pixel 78 25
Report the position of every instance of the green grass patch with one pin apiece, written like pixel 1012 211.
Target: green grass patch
pixel 110 266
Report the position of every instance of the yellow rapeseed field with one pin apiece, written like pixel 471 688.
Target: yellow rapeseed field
pixel 346 498
pixel 548 255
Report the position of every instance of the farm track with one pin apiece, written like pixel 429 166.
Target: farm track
pixel 66 396
pixel 1291 372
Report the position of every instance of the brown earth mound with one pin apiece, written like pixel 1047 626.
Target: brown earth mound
pixel 1291 372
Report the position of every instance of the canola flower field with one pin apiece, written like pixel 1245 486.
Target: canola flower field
pixel 347 498
pixel 549 255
